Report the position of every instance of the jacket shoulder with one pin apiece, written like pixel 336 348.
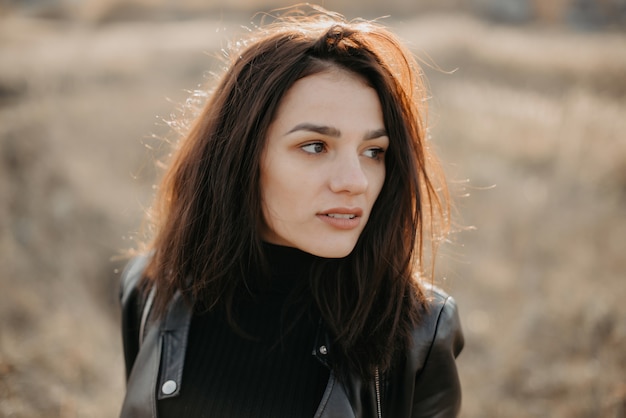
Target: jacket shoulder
pixel 439 326
pixel 130 277
pixel 438 340
pixel 443 317
pixel 132 301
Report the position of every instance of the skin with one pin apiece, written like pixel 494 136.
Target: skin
pixel 323 166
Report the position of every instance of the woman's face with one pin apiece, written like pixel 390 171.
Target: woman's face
pixel 323 165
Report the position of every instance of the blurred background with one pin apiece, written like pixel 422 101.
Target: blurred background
pixel 528 112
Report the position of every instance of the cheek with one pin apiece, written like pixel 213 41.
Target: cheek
pixel 266 193
pixel 288 180
pixel 377 182
pixel 278 191
pixel 270 207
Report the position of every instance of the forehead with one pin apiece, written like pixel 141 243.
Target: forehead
pixel 331 95
pixel 330 75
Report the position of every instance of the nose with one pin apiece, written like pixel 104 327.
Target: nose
pixel 348 176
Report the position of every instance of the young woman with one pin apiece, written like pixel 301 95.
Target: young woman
pixel 284 277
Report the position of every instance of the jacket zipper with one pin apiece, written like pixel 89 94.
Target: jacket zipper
pixel 377 386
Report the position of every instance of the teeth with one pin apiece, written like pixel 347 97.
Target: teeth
pixel 341 215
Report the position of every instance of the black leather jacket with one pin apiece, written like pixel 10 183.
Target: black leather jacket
pixel 426 386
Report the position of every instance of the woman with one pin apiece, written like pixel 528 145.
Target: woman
pixel 283 277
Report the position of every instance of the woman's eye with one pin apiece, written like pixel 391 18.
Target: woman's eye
pixel 313 148
pixel 374 153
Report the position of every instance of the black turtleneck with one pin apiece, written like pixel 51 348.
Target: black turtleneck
pixel 269 373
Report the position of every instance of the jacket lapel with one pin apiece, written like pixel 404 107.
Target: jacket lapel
pixel 335 402
pixel 140 400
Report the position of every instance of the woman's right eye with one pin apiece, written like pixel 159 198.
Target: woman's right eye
pixel 313 148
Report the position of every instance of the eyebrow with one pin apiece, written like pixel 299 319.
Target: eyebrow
pixel 334 132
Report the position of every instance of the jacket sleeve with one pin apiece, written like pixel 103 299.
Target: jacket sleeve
pixel 437 391
pixel 131 301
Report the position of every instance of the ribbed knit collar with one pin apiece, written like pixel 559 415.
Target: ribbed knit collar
pixel 288 262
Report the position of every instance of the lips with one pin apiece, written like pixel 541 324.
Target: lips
pixel 341 215
pixel 342 218
pixel 343 212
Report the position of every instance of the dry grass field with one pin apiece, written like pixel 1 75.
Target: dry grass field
pixel 530 122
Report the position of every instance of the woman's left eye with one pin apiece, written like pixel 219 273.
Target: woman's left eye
pixel 374 153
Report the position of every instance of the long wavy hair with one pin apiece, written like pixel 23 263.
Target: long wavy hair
pixel 207 213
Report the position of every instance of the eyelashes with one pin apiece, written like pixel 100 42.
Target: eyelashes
pixel 313 147
pixel 374 153
pixel 319 147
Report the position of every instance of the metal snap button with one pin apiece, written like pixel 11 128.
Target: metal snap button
pixel 169 387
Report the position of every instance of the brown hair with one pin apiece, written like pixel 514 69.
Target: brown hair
pixel 208 208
